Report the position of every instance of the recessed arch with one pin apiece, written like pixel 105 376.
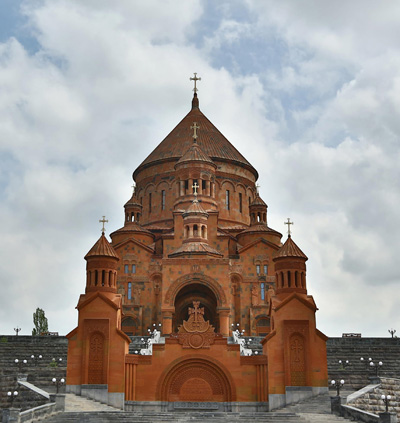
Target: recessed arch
pixel 213 379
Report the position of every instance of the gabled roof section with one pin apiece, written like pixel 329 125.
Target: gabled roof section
pixel 135 241
pixel 209 139
pixel 102 248
pixel 257 241
pixel 307 300
pixel 290 249
pixel 98 294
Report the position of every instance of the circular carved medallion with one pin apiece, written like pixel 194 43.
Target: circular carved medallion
pixel 196 340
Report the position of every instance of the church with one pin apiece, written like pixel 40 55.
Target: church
pixel 196 274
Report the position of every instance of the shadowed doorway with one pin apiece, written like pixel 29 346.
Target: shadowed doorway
pixel 184 300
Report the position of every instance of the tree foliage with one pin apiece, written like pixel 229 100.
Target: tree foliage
pixel 40 322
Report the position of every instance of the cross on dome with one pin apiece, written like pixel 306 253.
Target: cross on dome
pixel 103 221
pixel 288 223
pixel 195 127
pixel 195 79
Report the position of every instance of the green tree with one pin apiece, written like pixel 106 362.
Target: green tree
pixel 40 322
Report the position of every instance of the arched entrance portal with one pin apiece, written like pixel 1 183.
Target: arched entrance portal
pixel 184 299
pixel 197 379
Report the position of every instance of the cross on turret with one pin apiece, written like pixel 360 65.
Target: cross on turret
pixel 195 186
pixel 103 221
pixel 288 223
pixel 195 79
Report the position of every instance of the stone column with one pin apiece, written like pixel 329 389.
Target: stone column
pixel 182 188
pixel 11 415
pixel 336 403
pixel 224 321
pixel 167 321
pixel 208 189
pixel 59 399
pixel 387 418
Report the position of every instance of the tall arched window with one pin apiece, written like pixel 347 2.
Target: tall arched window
pixel 129 290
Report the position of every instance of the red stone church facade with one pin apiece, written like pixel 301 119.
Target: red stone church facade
pixel 196 230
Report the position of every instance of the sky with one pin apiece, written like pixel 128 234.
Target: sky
pixel 308 91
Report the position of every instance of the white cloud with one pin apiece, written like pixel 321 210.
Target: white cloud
pixel 318 118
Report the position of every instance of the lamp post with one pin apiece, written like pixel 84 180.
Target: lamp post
pixel 58 383
pixel 376 366
pixel 344 364
pixel 392 332
pixel 36 359
pixel 56 362
pixel 365 362
pixel 338 385
pixel 386 399
pixel 11 396
pixel 20 363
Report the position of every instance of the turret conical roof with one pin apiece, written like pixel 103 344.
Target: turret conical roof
pixel 102 248
pixel 290 249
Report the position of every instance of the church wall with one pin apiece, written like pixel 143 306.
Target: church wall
pixel 150 377
pixel 294 331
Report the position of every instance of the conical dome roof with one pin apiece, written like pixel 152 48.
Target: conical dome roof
pixel 102 248
pixel 133 201
pixel 210 139
pixel 290 249
pixel 195 209
pixel 195 154
pixel 258 201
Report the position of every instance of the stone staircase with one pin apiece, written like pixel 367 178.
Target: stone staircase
pixel 356 375
pixel 125 417
pixel 314 410
pixel 39 373
pixel 371 401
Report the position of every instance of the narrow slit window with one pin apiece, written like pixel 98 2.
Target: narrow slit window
pixel 263 291
pixel 240 202
pixel 150 202
pixel 227 200
pixel 258 269
pixel 163 200
pixel 126 268
pixel 133 268
pixel 129 291
pixel 265 269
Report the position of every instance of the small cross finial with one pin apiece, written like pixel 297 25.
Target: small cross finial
pixel 195 79
pixel 133 187
pixel 288 223
pixel 195 186
pixel 257 188
pixel 195 127
pixel 103 221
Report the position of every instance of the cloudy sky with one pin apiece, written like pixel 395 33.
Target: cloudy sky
pixel 308 91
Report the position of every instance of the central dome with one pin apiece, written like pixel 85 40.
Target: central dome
pixel 210 140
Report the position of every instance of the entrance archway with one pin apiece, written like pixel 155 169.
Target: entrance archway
pixel 184 299
pixel 197 379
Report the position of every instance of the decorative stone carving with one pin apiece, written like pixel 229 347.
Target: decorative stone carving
pixel 196 332
pixel 254 296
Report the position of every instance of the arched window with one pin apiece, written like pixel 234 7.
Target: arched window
pixel 129 290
